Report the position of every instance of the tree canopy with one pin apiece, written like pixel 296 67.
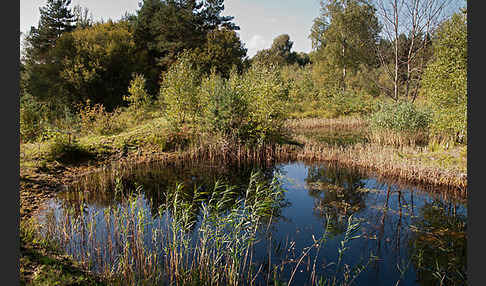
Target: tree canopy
pixel 55 18
pixel 346 33
pixel 280 53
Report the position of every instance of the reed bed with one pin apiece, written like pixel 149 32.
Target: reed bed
pixel 378 160
pixel 398 139
pixel 383 161
pixel 126 246
pixel 334 123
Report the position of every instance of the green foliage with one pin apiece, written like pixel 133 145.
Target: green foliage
pixel 345 34
pixel 302 86
pixel 349 103
pixel 179 92
pixel 401 117
pixel 248 106
pixel 166 28
pixel 96 120
pixel 280 53
pixel 65 149
pixel 267 96
pixel 138 97
pixel 226 109
pixel 222 50
pixel 56 18
pixel 445 80
pixel 98 62
pixel 33 120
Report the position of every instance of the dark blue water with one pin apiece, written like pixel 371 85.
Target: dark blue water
pixel 417 237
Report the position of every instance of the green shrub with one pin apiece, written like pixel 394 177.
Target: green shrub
pixel 179 92
pixel 96 120
pixel 225 108
pixel 267 96
pixel 400 123
pixel 33 118
pixel 401 117
pixel 302 87
pixel 65 149
pixel 137 97
pixel 349 103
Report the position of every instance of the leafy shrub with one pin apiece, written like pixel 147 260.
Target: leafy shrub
pixel 96 120
pixel 302 87
pixel 402 117
pixel 226 110
pixel 65 149
pixel 267 97
pixel 33 119
pixel 179 92
pixel 349 103
pixel 400 123
pixel 138 97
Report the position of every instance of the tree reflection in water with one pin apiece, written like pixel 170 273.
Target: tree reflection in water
pixel 337 195
pixel 439 245
pixel 158 180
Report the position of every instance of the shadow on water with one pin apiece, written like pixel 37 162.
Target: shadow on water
pixel 418 237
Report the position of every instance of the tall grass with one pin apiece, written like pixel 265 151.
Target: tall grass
pixel 215 247
pixel 400 124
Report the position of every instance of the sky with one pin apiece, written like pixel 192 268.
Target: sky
pixel 260 21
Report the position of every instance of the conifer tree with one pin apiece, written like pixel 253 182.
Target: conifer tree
pixel 55 18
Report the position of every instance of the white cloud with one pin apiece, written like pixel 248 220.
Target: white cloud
pixel 257 42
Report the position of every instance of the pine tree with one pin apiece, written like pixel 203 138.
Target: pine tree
pixel 165 28
pixel 55 18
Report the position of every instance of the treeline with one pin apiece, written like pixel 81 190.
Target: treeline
pixel 186 58
pixel 70 60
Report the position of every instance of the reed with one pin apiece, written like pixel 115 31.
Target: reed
pixel 125 245
pixel 333 123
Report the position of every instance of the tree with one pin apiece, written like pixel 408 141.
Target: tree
pixel 166 28
pixel 55 19
pixel 280 53
pixel 416 19
pixel 97 63
pixel 345 34
pixel 41 75
pixel 444 82
pixel 83 20
pixel 222 50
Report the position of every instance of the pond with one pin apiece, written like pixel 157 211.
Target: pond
pixel 301 223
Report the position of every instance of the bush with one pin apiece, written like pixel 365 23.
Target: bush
pixel 96 120
pixel 65 149
pixel 137 97
pixel 400 123
pixel 33 119
pixel 349 103
pixel 225 108
pixel 179 92
pixel 302 87
pixel 401 117
pixel 444 82
pixel 267 98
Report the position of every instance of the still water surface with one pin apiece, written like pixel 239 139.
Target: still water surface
pixel 398 223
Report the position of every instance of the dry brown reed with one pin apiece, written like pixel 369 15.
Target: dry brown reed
pixel 398 139
pixel 382 160
pixel 334 123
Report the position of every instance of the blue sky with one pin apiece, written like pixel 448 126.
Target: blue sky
pixel 260 20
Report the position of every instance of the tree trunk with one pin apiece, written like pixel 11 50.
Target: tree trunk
pixel 395 83
pixel 344 74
